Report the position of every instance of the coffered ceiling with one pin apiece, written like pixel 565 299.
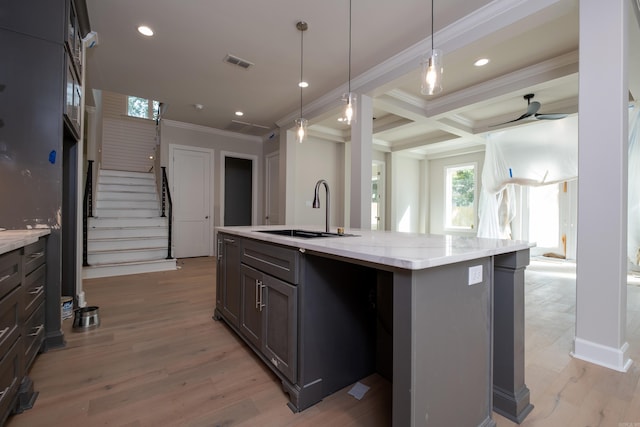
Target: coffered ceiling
pixel 532 48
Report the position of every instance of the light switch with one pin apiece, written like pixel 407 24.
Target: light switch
pixel 475 274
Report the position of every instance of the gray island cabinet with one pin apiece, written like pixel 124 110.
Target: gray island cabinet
pixel 418 309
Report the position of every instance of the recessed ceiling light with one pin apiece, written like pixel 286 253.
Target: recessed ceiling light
pixel 481 62
pixel 145 31
pixel 303 84
pixel 198 106
pixel 239 113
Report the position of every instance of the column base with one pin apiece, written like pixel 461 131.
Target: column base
pixel 514 406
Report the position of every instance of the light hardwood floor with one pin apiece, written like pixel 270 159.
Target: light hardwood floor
pixel 158 359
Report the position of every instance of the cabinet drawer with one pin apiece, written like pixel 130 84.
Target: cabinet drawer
pixel 34 256
pixel 9 379
pixel 9 317
pixel 33 290
pixel 275 260
pixel 33 336
pixel 10 272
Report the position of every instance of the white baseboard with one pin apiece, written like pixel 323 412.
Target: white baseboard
pixel 609 357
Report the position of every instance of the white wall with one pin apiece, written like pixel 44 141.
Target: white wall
pixel 218 140
pixel 317 159
pixel 405 193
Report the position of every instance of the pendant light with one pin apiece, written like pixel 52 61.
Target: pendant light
pixel 432 68
pixel 348 98
pixel 301 123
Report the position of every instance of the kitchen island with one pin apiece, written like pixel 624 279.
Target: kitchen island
pixel 440 316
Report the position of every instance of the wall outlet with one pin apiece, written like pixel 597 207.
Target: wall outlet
pixel 475 274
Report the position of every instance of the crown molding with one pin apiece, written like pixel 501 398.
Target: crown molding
pixel 210 130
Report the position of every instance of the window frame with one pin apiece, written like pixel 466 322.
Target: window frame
pixel 447 205
pixel 152 108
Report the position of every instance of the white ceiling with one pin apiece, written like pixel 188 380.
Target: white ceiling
pixel 532 47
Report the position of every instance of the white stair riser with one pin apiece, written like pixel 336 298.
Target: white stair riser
pixel 120 269
pixel 108 172
pixel 127 180
pixel 125 256
pixel 121 195
pixel 127 188
pixel 96 222
pixel 127 213
pixel 129 232
pixel 126 244
pixel 127 204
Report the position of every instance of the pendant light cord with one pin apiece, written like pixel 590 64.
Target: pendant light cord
pixel 349 46
pixel 301 62
pixel 432 30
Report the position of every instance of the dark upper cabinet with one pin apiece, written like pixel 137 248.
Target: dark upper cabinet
pixel 31 108
pixel 43 19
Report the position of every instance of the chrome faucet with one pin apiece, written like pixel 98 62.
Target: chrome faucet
pixel 316 200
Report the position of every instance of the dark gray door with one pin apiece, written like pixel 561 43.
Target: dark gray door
pixel 238 179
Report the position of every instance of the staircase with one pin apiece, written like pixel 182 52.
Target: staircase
pixel 126 235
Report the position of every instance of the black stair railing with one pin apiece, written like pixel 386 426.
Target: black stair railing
pixel 87 210
pixel 166 199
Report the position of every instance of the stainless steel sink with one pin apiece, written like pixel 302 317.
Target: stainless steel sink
pixel 305 234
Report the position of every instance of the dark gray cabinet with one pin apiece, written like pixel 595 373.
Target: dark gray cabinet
pixel 311 319
pixel 22 313
pixel 268 318
pixel 228 283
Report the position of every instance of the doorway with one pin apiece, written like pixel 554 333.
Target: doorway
pixel 550 219
pixel 239 195
pixel 191 190
pixel 377 195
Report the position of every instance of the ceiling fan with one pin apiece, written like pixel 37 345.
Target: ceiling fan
pixel 532 111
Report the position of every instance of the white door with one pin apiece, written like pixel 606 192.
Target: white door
pixel 191 192
pixel 272 174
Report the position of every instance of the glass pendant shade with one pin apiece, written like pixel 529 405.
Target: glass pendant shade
pixel 301 129
pixel 349 108
pixel 432 69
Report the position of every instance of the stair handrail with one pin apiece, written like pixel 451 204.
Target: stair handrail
pixel 87 210
pixel 166 197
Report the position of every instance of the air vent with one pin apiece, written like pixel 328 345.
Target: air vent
pixel 231 59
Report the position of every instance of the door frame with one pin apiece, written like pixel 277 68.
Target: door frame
pixel 211 152
pixel 267 188
pixel 254 182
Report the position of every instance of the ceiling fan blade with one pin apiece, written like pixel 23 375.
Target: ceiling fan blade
pixel 524 116
pixel 532 108
pixel 551 116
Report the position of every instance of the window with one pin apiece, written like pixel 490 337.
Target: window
pixel 460 197
pixel 141 107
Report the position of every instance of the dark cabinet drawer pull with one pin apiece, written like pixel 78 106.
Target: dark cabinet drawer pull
pixel 5 277
pixel 36 255
pixel 4 331
pixel 37 330
pixel 36 291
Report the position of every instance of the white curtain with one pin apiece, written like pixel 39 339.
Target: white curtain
pixel 540 153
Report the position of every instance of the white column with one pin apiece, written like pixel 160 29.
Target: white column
pixel 361 146
pixel 286 178
pixel 601 295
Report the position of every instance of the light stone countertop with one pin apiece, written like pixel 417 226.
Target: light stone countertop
pixel 412 251
pixel 16 239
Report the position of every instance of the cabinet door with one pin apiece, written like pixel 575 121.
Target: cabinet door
pixel 230 279
pixel 251 311
pixel 280 318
